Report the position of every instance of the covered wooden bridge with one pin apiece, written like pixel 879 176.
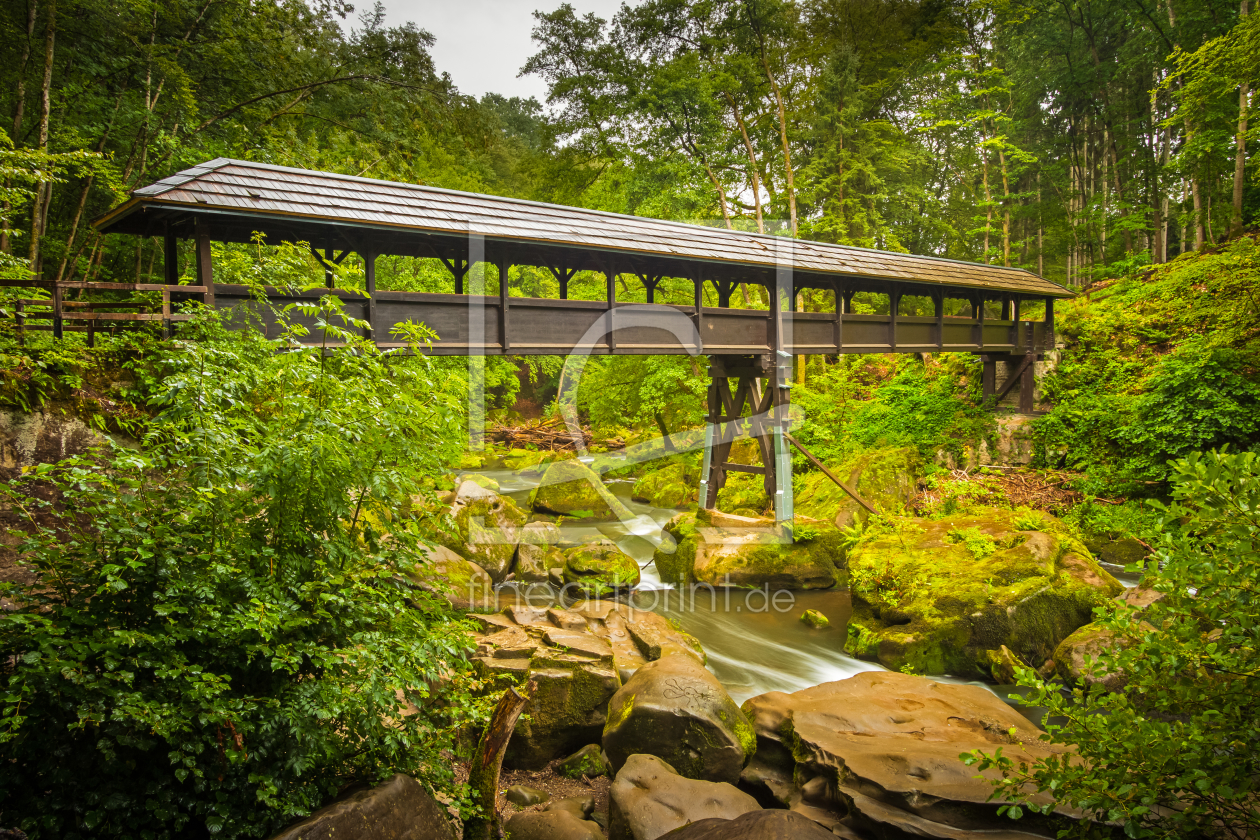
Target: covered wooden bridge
pixel 230 201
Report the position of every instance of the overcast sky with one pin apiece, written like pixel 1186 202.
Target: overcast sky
pixel 484 43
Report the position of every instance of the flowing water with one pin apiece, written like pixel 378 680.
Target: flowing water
pixel 755 641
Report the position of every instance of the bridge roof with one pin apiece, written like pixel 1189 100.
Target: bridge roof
pixel 251 196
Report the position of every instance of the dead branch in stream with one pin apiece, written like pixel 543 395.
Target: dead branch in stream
pixel 550 434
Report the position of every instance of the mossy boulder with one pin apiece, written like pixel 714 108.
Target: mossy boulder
pixel 887 478
pixel 599 570
pixel 815 619
pixel 744 551
pixel 676 710
pixel 480 480
pixel 672 486
pixel 537 552
pixel 1076 657
pixel 461 582
pixel 570 488
pixel 487 528
pixel 936 596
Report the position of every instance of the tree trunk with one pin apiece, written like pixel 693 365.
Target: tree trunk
pixel 753 170
pixel 43 195
pixel 783 133
pixel 1240 152
pixel 483 774
pixel 19 110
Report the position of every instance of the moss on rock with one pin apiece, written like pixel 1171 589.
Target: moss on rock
pixel 743 494
pixel 887 478
pixel 598 570
pixel 752 556
pixel 671 486
pixel 935 596
pixel 570 488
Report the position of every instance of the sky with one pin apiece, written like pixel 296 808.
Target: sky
pixel 484 43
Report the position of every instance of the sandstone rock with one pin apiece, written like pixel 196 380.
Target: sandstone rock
pixel 537 552
pixel 487 528
pixel 1121 552
pixel 588 761
pixel 551 825
pixel 461 582
pixel 571 488
pixel 751 556
pixel 675 709
pixel 671 486
pixel 815 619
pixel 649 799
pixel 577 657
pixel 523 796
pixel 887 478
pixel 937 595
pixel 399 809
pixel 1093 640
pixel 598 570
pixel 481 480
pixel 885 746
pixel 579 806
pixel 755 825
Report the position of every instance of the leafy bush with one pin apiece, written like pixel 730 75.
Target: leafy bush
pixel 1197 400
pixel 870 402
pixel 1173 754
pixel 217 634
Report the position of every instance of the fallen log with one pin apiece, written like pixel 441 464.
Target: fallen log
pixel 483 774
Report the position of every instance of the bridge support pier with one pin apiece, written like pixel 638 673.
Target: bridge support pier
pixel 761 385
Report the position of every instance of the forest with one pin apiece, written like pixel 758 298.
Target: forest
pixel 234 606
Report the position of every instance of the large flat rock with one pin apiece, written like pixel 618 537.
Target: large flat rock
pixel 884 747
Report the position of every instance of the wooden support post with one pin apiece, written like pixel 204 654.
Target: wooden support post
pixel 939 300
pixel 837 330
pixel 699 304
pixel 988 376
pixel 894 303
pixel 19 317
pixel 505 298
pixel 1027 382
pixel 369 285
pixel 610 294
pixel 487 761
pixel 205 265
pixel 980 324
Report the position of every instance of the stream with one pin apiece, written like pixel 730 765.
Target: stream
pixel 752 646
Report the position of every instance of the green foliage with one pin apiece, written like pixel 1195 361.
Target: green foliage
pixel 1158 365
pixel 979 545
pixel 867 402
pixel 1173 753
pixel 216 636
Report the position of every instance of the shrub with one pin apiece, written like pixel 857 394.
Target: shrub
pixel 216 636
pixel 1173 755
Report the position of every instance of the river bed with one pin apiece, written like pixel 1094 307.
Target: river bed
pixel 754 644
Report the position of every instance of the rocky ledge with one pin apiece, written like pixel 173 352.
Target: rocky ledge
pixel 578 657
